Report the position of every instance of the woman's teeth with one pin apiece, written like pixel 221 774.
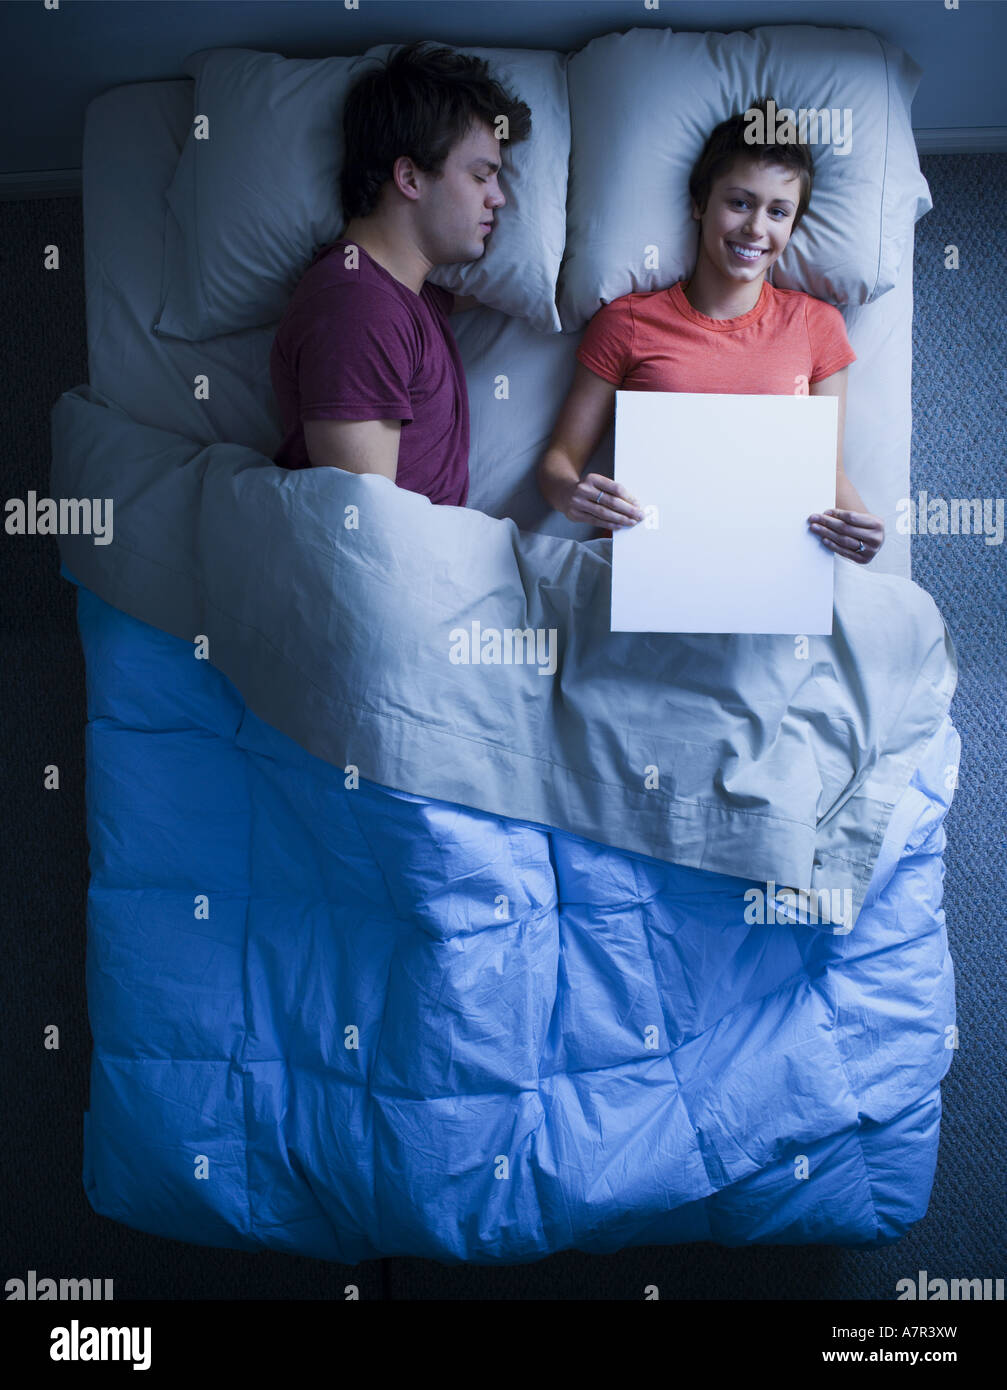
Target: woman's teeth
pixel 743 254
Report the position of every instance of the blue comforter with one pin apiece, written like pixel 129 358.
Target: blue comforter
pixel 350 1022
pixel 393 954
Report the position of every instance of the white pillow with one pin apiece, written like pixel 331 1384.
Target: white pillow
pixel 251 205
pixel 642 105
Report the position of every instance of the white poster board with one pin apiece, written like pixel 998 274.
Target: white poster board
pixel 730 482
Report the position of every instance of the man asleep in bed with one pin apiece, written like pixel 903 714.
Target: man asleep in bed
pixel 725 329
pixel 364 364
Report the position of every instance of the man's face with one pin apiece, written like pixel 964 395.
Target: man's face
pixel 453 211
pixel 750 206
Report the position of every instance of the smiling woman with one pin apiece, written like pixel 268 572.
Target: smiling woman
pixel 726 329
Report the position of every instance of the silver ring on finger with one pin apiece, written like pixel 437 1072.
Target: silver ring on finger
pixel 597 500
pixel 862 548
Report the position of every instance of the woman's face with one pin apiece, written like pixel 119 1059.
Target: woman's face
pixel 751 209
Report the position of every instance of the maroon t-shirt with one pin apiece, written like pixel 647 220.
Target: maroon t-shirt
pixel 360 345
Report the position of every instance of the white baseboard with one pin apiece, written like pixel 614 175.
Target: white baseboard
pixel 981 139
pixel 43 183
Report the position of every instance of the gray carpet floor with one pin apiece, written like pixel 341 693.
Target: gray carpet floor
pixel 45 1221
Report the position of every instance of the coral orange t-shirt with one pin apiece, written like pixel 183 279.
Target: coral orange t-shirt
pixel 656 341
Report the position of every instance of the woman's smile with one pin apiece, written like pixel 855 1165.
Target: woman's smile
pixel 746 253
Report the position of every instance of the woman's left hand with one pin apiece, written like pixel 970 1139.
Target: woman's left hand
pixel 843 532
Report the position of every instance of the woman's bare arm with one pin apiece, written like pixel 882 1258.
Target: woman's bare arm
pixel 849 523
pixel 583 420
pixel 835 385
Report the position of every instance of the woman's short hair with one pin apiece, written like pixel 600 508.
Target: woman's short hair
pixel 420 103
pixel 726 143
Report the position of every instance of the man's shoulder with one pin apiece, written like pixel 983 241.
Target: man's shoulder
pixel 333 293
pixel 337 284
pixel 348 278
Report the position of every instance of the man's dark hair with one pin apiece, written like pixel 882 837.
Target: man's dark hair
pixel 726 142
pixel 419 104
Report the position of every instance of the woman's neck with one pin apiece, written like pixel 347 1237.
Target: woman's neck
pixel 709 294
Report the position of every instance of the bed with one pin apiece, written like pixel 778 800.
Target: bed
pixel 390 955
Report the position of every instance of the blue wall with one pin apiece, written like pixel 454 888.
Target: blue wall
pixel 55 61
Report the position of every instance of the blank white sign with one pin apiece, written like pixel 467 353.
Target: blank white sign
pixel 732 481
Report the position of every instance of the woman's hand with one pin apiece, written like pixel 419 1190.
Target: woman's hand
pixel 856 536
pixel 602 502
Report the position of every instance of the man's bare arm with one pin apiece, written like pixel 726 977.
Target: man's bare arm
pixel 358 446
